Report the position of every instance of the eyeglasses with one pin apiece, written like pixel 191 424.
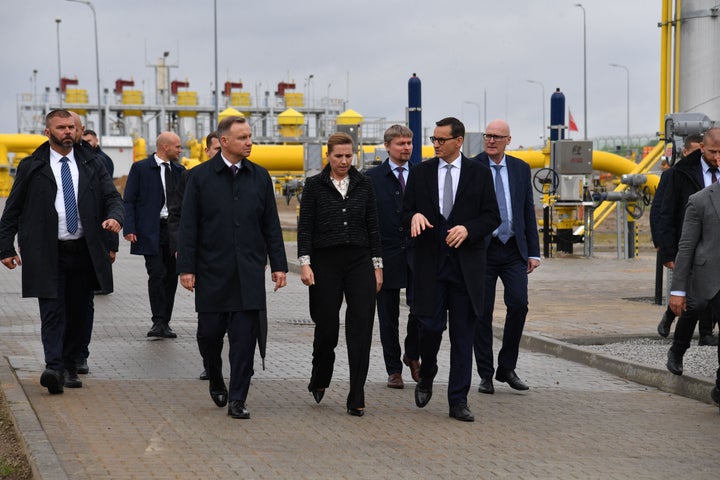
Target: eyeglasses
pixel 490 136
pixel 441 141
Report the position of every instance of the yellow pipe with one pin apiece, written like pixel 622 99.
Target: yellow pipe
pixel 676 65
pixel 605 208
pixel 663 63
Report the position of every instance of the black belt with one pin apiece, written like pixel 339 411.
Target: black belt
pixel 77 245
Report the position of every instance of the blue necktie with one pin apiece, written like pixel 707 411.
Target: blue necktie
pixel 447 193
pixel 71 213
pixel 504 229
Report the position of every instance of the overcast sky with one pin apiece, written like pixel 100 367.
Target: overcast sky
pixel 364 50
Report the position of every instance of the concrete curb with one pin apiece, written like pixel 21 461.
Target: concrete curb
pixel 44 462
pixel 685 385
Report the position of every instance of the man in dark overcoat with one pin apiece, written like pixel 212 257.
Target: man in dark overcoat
pixel 229 226
pixel 56 207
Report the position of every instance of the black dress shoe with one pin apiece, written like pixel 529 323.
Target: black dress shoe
pixel 715 395
pixel 356 412
pixel 157 330
pixel 167 332
pixel 72 380
pixel 486 385
pixel 52 380
pixel 218 392
pixel 236 409
pixel 462 413
pixel 674 363
pixel 204 375
pixel 511 378
pixel 318 394
pixel 707 340
pixel 663 327
pixel 81 367
pixel 423 392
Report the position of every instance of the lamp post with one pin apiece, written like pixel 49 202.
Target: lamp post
pixel 57 21
pixel 627 71
pixel 585 134
pixel 101 125
pixel 477 105
pixel 217 86
pixel 544 126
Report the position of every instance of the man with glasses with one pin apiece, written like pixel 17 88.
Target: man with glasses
pixel 450 208
pixel 513 253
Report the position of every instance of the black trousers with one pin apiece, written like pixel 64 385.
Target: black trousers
pixel 63 318
pixel 388 309
pixel 162 279
pixel 685 327
pixel 715 307
pixel 342 271
pixel 504 262
pixel 454 308
pixel 242 331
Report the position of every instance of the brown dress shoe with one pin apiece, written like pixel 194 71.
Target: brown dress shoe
pixel 414 367
pixel 395 381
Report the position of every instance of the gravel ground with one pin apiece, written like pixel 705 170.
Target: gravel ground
pixel 700 362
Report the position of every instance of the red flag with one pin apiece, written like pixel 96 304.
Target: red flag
pixel 573 125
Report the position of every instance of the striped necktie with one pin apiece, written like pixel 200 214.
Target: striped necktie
pixel 71 213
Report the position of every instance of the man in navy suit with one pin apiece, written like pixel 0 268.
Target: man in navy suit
pixel 389 180
pixel 513 253
pixel 450 208
pixel 150 187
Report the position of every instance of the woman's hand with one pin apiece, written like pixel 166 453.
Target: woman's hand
pixel 307 276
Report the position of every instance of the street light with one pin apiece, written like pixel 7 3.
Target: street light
pixel 101 126
pixel 627 71
pixel 477 105
pixel 308 82
pixel 57 21
pixel 585 134
pixel 544 126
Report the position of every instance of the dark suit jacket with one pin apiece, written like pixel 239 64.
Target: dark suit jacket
pixel 475 208
pixel 698 263
pixel 684 179
pixel 523 205
pixel 228 228
pixel 176 209
pixel 144 198
pixel 30 213
pixel 394 237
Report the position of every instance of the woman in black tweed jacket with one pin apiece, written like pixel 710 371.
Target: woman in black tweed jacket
pixel 340 254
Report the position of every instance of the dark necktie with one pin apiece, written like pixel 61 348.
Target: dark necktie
pixel 234 169
pixel 71 213
pixel 169 182
pixel 713 174
pixel 447 193
pixel 401 178
pixel 504 228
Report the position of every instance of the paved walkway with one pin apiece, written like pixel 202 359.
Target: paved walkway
pixel 142 413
